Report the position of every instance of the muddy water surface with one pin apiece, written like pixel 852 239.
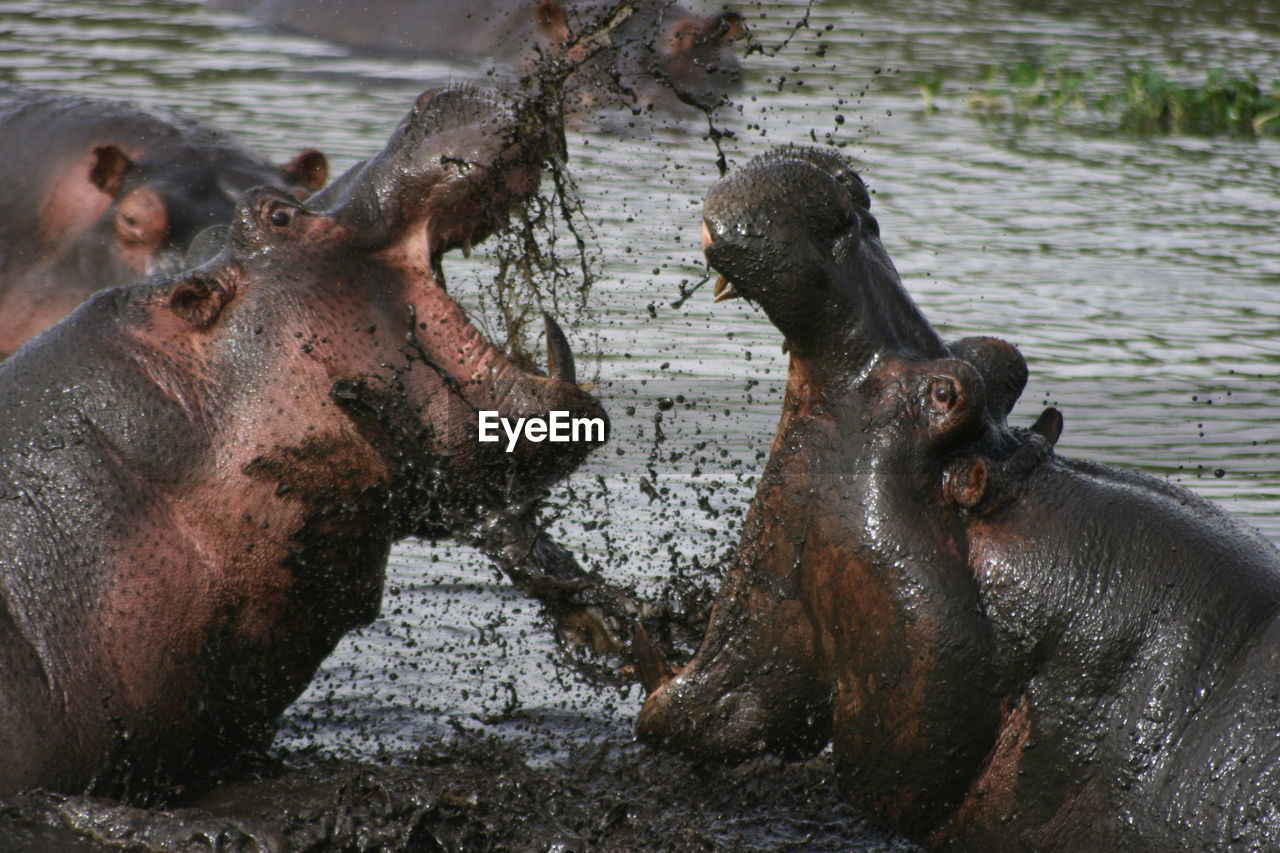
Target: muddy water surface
pixel 1140 276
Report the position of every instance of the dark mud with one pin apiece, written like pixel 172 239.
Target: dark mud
pixel 473 795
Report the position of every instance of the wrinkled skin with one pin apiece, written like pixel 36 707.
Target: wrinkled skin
pixel 97 193
pixel 203 473
pixel 1007 649
pixel 661 53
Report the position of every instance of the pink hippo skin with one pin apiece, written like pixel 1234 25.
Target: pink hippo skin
pixel 97 193
pixel 201 474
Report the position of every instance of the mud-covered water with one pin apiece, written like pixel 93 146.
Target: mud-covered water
pixel 1140 276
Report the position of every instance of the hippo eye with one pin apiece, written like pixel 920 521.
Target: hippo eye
pixel 942 393
pixel 281 217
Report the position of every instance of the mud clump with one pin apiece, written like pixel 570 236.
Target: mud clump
pixel 474 794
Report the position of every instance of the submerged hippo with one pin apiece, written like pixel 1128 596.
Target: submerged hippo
pixel 1008 650
pixel 201 475
pixel 97 193
pixel 660 53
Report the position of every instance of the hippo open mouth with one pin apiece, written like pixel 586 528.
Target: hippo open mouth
pixel 452 171
pixel 460 150
pixel 792 231
pixel 243 442
pixel 1006 649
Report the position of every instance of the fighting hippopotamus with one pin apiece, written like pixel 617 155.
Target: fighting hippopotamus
pixel 201 474
pixel 660 53
pixel 1007 649
pixel 96 193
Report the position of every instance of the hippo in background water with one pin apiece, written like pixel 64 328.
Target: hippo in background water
pixel 1007 649
pixel 660 53
pixel 201 475
pixel 96 193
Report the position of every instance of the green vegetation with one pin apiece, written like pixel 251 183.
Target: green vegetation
pixel 1152 103
pixel 1142 100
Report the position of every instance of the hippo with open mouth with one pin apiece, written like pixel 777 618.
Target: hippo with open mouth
pixel 1007 649
pixel 201 475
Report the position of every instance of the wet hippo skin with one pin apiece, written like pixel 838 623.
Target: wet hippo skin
pixel 661 53
pixel 1007 649
pixel 201 474
pixel 96 193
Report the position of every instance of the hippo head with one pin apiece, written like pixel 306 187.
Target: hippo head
pixel 793 232
pixel 854 543
pixel 344 292
pixel 660 54
pixel 162 198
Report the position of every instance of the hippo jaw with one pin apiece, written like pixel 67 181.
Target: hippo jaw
pixel 880 426
pixel 792 232
pixel 453 169
pixel 416 378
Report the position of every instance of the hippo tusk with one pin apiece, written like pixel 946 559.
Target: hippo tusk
pixel 724 289
pixel 466 248
pixel 559 356
pixel 650 668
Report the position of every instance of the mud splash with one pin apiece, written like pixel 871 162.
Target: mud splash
pixel 472 795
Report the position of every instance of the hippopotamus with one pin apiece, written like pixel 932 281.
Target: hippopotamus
pixel 203 472
pixel 96 193
pixel 659 53
pixel 1006 649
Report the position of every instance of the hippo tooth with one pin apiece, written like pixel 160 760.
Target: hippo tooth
pixel 651 668
pixel 466 248
pixel 724 289
pixel 559 355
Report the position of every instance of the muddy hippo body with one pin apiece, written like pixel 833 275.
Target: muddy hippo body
pixel 96 193
pixel 203 473
pixel 661 52
pixel 1008 650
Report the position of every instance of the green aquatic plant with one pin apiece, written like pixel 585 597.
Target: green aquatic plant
pixel 1143 100
pixel 1028 86
pixel 1153 103
pixel 930 87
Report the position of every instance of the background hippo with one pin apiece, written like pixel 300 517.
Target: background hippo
pixel 661 52
pixel 1009 650
pixel 96 193
pixel 203 473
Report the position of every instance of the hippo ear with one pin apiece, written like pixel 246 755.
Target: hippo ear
pixel 965 482
pixel 551 21
pixel 199 299
pixel 728 26
pixel 309 169
pixel 1049 425
pixel 110 166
